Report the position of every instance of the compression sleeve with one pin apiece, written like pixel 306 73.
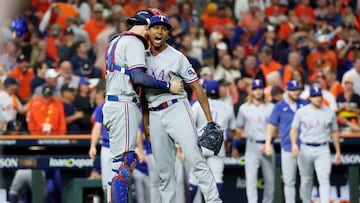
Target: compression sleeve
pixel 139 77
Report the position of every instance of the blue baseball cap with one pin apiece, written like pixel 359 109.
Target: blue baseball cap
pixel 293 85
pixel 315 91
pixel 257 83
pixel 84 81
pixel 211 86
pixel 140 18
pixel 160 20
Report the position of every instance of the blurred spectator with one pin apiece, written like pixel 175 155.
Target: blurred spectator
pixel 218 21
pixel 177 32
pixel 83 103
pixel 355 74
pixel 272 79
pixel 332 85
pixel 250 68
pixel 81 63
pixel 242 7
pixel 3 73
pixel 67 49
pixel 289 26
pixel 24 76
pixel 72 116
pixel 59 13
pixel 276 13
pixel 206 73
pixel 198 41
pixel 185 48
pixel 84 9
pixel 321 8
pixel 46 114
pixel 288 70
pixel 322 57
pixel 133 6
pixel 252 19
pixel 10 106
pixel 270 40
pixel 67 76
pixel 239 55
pixel 79 33
pixel 39 69
pixel 51 76
pixel 117 14
pixel 348 105
pixel 333 17
pixel 40 53
pixel 13 51
pixel 276 94
pixel 186 15
pixel 268 63
pixel 225 71
pixel 101 42
pixel 305 12
pixel 242 85
pixel 96 24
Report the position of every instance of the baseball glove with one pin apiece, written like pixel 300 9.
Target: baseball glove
pixel 212 137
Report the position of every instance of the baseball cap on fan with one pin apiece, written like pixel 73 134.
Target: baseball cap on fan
pixel 160 20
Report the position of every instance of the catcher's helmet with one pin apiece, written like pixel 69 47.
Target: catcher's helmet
pixel 160 20
pixel 141 18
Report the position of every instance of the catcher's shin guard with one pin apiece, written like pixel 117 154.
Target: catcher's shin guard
pixel 120 183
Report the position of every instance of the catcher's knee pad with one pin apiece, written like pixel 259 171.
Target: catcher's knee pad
pixel 120 183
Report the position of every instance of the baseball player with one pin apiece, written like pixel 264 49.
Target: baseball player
pixel 98 131
pixel 316 123
pixel 223 114
pixel 252 120
pixel 281 118
pixel 125 64
pixel 170 116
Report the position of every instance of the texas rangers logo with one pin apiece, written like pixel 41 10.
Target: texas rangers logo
pixel 191 72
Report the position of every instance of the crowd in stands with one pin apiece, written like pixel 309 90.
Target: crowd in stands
pixel 52 54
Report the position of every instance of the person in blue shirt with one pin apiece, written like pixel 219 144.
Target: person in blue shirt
pixel 99 131
pixel 281 119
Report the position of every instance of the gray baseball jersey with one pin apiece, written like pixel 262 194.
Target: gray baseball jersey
pixel 253 119
pixel 167 66
pixel 315 125
pixel 174 124
pixel 128 55
pixel 222 114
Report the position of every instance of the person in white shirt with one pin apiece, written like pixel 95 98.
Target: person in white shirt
pixel 355 74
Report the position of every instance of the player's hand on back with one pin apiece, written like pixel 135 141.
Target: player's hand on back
pixel 176 87
pixel 295 150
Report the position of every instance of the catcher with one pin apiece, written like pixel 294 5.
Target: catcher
pixel 170 116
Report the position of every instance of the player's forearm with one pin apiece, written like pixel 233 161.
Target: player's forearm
pixel 139 77
pixel 270 130
pixel 336 142
pixel 293 136
pixel 95 134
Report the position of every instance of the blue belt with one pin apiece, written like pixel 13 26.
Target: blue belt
pixel 314 144
pixel 120 69
pixel 164 105
pixel 116 98
pixel 257 141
